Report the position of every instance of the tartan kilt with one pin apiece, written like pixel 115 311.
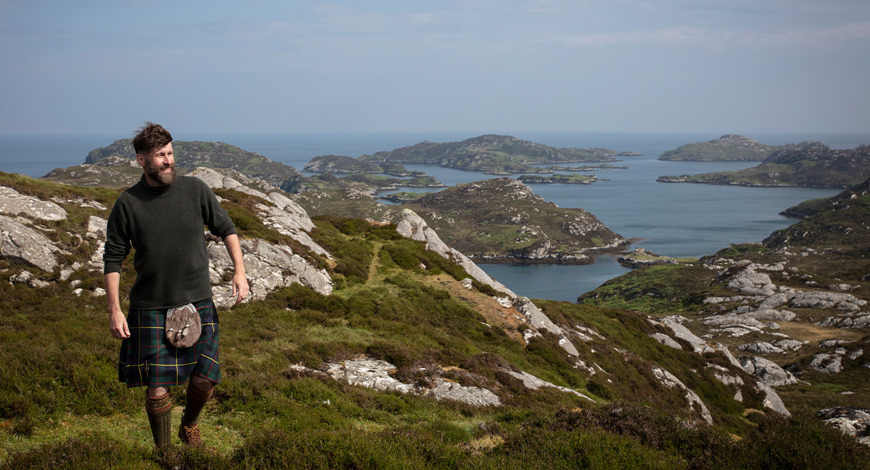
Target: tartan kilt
pixel 148 359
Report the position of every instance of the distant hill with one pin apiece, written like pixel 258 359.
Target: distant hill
pixel 729 147
pixel 493 154
pixel 192 154
pixel 814 166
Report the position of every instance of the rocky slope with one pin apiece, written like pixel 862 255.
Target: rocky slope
pixel 812 166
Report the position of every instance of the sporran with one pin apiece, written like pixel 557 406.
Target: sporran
pixel 183 326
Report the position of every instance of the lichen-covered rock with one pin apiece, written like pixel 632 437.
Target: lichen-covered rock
pixel 375 374
pixel 768 371
pixel 21 243
pixel 671 381
pixel 850 421
pixel 268 267
pixel 760 347
pixel 14 203
pixel 540 321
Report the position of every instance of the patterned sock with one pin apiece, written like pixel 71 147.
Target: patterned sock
pixel 159 410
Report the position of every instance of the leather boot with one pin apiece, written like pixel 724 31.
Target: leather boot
pixel 188 432
pixel 159 410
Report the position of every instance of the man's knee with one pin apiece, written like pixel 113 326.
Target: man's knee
pixel 157 391
pixel 201 383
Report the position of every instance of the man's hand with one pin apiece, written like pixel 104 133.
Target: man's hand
pixel 240 283
pixel 240 286
pixel 118 325
pixel 117 322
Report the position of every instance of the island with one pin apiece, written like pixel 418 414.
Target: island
pixel 811 166
pixel 728 148
pixel 491 154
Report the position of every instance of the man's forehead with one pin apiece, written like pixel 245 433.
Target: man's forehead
pixel 166 149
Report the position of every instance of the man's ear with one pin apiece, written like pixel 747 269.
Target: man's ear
pixel 141 159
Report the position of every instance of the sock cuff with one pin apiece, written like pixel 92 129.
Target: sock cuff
pixel 158 405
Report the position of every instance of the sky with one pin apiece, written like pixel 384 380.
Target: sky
pixel 265 67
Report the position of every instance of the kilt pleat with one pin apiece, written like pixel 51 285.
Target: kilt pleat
pixel 148 359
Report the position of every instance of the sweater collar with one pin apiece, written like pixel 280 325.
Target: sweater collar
pixel 153 189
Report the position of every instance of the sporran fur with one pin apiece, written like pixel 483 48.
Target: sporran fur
pixel 183 326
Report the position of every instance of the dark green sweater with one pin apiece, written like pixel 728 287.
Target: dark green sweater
pixel 166 228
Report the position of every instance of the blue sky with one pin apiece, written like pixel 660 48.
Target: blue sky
pixel 263 66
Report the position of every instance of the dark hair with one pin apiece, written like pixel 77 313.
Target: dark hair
pixel 149 137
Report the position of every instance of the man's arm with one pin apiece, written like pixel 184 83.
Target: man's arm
pixel 117 321
pixel 240 282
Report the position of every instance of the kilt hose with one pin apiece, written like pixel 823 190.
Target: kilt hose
pixel 148 359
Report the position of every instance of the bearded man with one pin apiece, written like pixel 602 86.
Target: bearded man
pixel 162 218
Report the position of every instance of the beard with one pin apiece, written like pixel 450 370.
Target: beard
pixel 156 174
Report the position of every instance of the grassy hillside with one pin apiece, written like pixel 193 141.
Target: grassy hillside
pixel 60 403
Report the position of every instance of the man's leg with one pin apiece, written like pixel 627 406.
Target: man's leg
pixel 158 406
pixel 199 391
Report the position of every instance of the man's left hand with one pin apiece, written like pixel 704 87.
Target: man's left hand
pixel 240 287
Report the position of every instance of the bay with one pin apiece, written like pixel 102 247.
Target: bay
pixel 680 220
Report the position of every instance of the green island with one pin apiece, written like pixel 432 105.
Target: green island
pixel 402 196
pixel 558 179
pixel 816 166
pixel 728 148
pixel 491 154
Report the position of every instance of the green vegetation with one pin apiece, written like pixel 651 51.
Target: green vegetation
pixel 62 407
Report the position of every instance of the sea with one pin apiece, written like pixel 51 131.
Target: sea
pixel 672 219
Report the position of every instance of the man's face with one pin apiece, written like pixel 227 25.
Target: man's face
pixel 159 166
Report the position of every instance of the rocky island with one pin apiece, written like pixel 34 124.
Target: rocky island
pixel 491 154
pixel 502 220
pixel 728 148
pixel 813 165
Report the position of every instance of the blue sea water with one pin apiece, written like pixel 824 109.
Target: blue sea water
pixel 671 219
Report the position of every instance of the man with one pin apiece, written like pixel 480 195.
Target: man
pixel 162 218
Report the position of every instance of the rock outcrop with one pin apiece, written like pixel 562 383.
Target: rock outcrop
pixel 21 243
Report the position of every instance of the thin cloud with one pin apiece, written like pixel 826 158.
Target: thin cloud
pixel 816 38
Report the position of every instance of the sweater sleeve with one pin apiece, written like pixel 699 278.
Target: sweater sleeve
pixel 215 217
pixel 117 245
